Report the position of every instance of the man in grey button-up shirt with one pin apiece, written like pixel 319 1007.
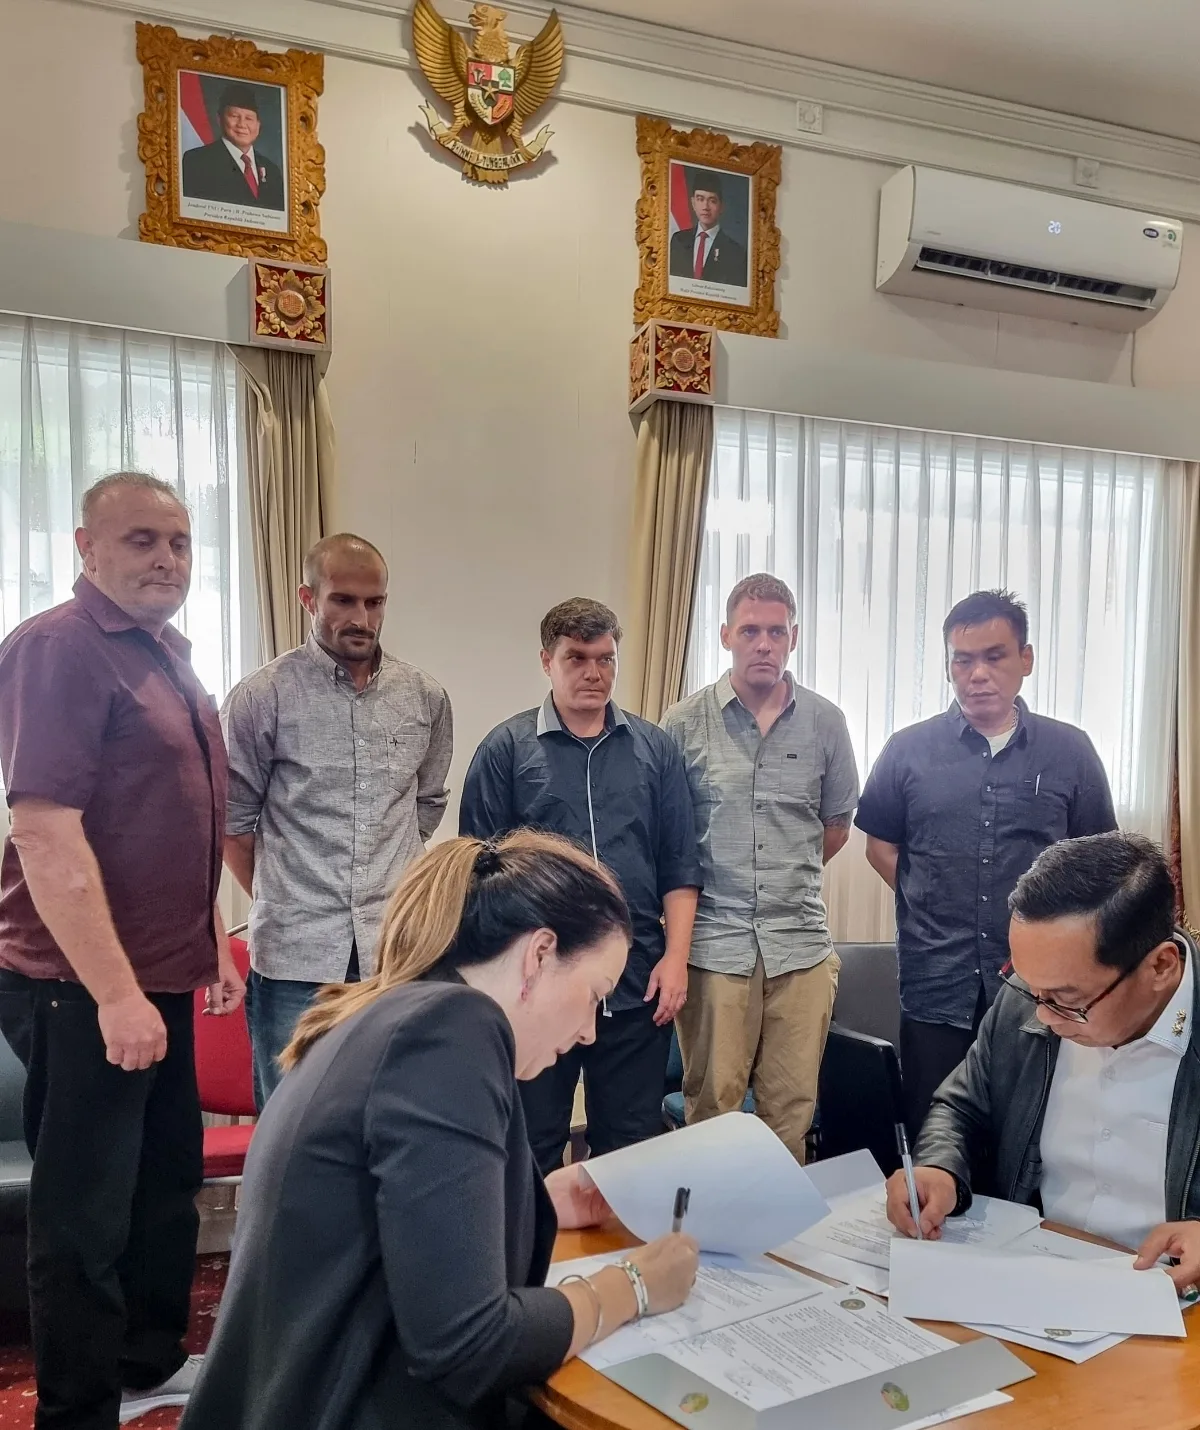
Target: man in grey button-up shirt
pixel 338 755
pixel 774 784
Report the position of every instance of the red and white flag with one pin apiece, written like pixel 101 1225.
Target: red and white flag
pixel 195 127
pixel 682 217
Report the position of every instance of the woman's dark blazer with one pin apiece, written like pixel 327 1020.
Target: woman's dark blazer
pixel 393 1235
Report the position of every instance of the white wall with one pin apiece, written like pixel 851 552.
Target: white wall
pixel 478 382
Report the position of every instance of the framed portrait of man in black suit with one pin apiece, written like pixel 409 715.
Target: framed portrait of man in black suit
pixel 706 229
pixel 229 143
pixel 710 237
pixel 232 151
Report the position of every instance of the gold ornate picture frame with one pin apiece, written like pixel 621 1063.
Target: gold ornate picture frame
pixel 229 140
pixel 706 232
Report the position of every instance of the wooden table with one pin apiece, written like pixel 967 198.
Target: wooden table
pixel 1142 1384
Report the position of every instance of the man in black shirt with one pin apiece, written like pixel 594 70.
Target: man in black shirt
pixel 581 767
pixel 955 810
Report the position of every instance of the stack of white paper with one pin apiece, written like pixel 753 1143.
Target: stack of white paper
pixel 766 1334
pixel 727 1289
pixel 853 1242
pixel 1074 1346
pixel 956 1412
pixel 748 1193
pixel 840 1180
pixel 937 1281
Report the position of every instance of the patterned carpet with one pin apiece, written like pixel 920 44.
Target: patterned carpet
pixel 18 1397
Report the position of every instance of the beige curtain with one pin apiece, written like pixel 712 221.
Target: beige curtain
pixel 674 450
pixel 290 449
pixel 1189 700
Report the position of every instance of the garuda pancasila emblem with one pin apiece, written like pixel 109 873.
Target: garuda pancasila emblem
pixel 488 87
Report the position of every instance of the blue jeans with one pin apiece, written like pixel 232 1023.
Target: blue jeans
pixel 273 1008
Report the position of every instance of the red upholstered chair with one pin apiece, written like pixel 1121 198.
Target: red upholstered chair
pixel 225 1078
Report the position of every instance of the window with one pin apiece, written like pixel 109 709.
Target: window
pixel 77 402
pixel 879 531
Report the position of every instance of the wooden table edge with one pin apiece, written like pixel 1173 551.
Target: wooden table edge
pixel 557 1400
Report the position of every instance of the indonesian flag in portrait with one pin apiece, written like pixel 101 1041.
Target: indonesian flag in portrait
pixel 681 208
pixel 195 127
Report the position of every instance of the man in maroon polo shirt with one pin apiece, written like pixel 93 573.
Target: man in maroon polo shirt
pixel 115 771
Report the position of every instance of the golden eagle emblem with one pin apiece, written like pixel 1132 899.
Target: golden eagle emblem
pixel 487 86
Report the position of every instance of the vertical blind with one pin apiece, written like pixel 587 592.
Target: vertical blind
pixel 77 402
pixel 880 530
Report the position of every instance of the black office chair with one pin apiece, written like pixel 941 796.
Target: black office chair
pixel 868 996
pixel 858 1098
pixel 866 1020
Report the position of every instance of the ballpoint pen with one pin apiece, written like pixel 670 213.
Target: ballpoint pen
pixel 906 1162
pixel 682 1197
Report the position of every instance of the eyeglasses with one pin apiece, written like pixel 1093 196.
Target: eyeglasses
pixel 1072 1015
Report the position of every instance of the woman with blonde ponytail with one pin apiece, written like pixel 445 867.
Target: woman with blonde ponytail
pixel 394 1232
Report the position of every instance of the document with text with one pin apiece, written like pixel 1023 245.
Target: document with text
pixel 858 1228
pixel 828 1340
pixel 840 1180
pixel 727 1289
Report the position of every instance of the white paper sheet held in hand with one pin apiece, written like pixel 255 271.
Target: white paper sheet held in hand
pixel 748 1192
pixel 937 1282
pixel 727 1289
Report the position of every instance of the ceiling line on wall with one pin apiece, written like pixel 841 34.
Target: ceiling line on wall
pixel 629 66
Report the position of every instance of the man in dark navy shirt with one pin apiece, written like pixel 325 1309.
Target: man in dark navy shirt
pixel 955 810
pixel 614 783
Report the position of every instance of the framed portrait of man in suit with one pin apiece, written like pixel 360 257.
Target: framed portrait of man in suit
pixel 232 151
pixel 709 222
pixel 229 142
pixel 706 229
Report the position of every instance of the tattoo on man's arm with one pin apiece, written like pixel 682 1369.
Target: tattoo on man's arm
pixel 839 821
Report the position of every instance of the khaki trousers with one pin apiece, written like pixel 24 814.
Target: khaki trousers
pixel 764 1033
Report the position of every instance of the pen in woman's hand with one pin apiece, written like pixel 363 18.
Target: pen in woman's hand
pixel 682 1196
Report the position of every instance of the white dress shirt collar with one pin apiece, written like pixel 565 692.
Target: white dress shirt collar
pixel 1105 1130
pixel 1173 1028
pixel 705 233
pixel 238 156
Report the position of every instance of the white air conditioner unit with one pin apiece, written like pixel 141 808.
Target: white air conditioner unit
pixel 984 244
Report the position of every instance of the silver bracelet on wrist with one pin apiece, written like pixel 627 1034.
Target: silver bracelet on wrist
pixel 595 1295
pixel 638 1282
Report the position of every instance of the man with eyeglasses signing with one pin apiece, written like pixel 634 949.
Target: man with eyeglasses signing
pixel 1081 1093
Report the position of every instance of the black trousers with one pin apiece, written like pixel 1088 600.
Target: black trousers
pixel 929 1053
pixel 118 1158
pixel 624 1080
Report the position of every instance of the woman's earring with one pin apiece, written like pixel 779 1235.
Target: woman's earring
pixel 525 987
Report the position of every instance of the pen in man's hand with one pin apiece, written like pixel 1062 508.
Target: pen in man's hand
pixel 682 1197
pixel 906 1161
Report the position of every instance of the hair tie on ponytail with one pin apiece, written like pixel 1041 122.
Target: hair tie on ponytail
pixel 487 861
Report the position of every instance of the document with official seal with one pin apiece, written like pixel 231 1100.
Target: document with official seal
pixel 727 1289
pixel 940 1282
pixel 826 1341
